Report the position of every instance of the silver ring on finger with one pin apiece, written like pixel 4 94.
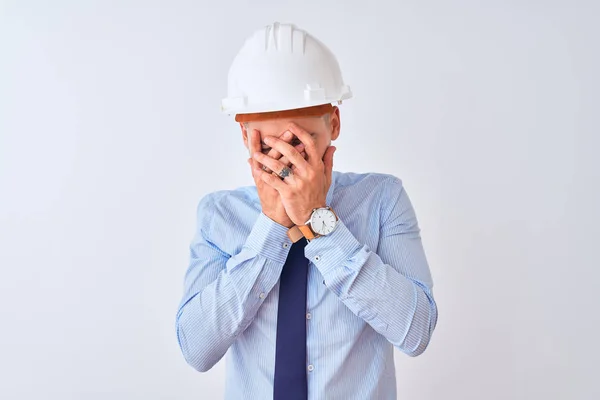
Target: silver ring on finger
pixel 285 172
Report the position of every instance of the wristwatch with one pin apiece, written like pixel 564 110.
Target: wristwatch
pixel 322 222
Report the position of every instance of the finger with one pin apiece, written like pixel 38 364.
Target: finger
pixel 254 163
pixel 254 141
pixel 300 148
pixel 309 143
pixel 283 159
pixel 253 171
pixel 274 165
pixel 254 146
pixel 303 154
pixel 287 137
pixel 274 181
pixel 289 152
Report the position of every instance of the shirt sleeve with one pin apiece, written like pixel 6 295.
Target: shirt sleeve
pixel 221 292
pixel 390 288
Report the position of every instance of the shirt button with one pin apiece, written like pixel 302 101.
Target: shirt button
pixel 317 258
pixel 286 245
pixel 308 316
pixel 310 368
pixel 262 295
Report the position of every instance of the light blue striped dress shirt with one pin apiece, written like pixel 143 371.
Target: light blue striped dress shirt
pixel 369 290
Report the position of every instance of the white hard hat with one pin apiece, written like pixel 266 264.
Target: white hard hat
pixel 281 67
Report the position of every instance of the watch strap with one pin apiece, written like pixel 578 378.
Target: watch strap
pixel 295 234
pixel 307 232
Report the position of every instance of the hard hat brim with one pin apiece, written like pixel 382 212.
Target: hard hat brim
pixel 313 111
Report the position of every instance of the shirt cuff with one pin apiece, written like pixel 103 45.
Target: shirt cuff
pixel 333 250
pixel 269 239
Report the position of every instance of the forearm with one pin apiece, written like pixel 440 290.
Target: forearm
pixel 212 319
pixel 397 306
pixel 212 315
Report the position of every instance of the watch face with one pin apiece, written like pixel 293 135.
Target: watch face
pixel 323 221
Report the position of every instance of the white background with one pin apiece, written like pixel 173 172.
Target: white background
pixel 110 132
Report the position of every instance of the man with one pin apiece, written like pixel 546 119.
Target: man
pixel 311 277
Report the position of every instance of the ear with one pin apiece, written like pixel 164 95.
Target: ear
pixel 244 134
pixel 335 123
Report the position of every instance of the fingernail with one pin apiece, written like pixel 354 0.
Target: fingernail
pixel 287 134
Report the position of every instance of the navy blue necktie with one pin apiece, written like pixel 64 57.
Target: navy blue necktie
pixel 290 351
